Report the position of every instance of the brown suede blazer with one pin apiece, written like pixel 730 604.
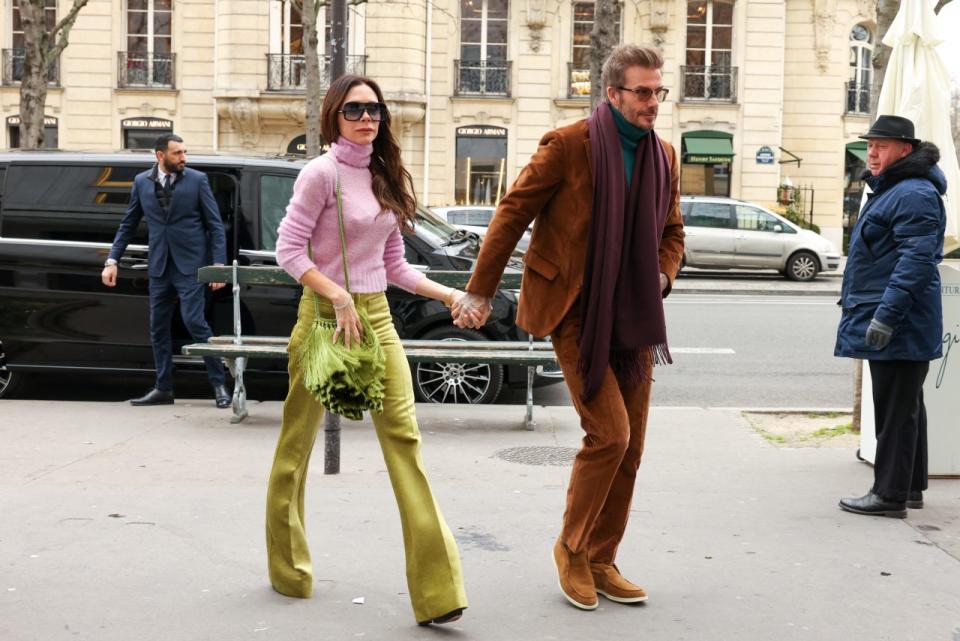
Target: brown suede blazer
pixel 556 189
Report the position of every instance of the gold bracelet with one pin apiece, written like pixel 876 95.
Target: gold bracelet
pixel 448 299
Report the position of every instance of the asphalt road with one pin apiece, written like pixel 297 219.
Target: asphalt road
pixel 729 351
pixel 745 351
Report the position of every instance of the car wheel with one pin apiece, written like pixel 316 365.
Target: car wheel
pixel 9 381
pixel 802 266
pixel 473 383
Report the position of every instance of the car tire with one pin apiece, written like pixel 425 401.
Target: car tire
pixel 474 383
pixel 10 381
pixel 803 266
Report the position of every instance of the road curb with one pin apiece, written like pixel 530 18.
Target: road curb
pixel 756 292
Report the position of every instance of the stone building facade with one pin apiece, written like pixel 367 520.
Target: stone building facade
pixel 763 93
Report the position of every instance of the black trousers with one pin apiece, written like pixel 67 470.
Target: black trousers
pixel 901 424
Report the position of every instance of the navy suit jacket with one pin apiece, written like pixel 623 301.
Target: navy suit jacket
pixel 191 235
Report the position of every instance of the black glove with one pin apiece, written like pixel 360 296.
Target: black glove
pixel 878 334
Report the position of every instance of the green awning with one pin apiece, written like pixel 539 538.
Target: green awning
pixel 707 151
pixel 858 149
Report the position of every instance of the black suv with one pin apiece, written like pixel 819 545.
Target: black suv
pixel 59 212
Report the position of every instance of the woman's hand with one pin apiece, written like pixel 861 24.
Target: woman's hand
pixel 348 320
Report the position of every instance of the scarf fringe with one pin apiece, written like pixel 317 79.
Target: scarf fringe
pixel 631 365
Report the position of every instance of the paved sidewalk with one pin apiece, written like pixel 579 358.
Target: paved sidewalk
pixel 124 523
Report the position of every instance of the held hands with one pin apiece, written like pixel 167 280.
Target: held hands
pixel 878 335
pixel 348 320
pixel 471 310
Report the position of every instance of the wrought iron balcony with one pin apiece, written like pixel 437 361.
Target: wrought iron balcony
pixel 288 72
pixel 146 70
pixel 708 84
pixel 481 77
pixel 13 68
pixel 578 81
pixel 858 98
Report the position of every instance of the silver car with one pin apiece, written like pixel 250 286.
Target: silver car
pixel 724 233
pixel 475 218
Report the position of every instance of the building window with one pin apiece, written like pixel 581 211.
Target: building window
pixel 709 73
pixel 483 68
pixel 481 165
pixel 13 57
pixel 286 64
pixel 707 156
pixel 50 132
pixel 579 71
pixel 142 133
pixel 861 70
pixel 148 60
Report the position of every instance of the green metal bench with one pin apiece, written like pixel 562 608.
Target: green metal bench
pixel 237 348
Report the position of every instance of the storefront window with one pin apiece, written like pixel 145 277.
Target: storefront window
pixel 707 156
pixel 50 132
pixel 481 165
pixel 142 133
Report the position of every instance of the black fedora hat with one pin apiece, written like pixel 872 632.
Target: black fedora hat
pixel 893 127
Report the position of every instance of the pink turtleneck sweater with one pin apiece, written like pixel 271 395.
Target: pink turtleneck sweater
pixel 375 253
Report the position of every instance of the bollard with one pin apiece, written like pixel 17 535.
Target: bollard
pixel 331 441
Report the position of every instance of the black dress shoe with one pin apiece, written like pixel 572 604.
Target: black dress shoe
pixel 873 505
pixel 222 395
pixel 449 617
pixel 915 500
pixel 155 397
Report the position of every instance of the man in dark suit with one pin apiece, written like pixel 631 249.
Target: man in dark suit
pixel 185 233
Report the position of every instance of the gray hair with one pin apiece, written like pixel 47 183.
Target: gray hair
pixel 623 56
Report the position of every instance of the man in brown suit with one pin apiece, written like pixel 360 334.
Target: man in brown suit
pixel 605 249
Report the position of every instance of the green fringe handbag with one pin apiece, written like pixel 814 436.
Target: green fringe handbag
pixel 346 381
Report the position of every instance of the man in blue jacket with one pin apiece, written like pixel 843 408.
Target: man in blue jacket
pixel 891 302
pixel 185 233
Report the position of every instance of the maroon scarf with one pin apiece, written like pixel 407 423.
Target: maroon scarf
pixel 621 305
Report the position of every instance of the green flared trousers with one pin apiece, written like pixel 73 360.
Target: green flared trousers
pixel 434 577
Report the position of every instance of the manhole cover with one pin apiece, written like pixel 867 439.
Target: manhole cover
pixel 544 455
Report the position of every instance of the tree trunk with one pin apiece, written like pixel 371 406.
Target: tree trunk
pixel 33 81
pixel 603 38
pixel 312 69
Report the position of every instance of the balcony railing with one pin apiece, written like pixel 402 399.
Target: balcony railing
pixel 708 84
pixel 146 70
pixel 481 77
pixel 858 98
pixel 578 81
pixel 288 72
pixel 13 68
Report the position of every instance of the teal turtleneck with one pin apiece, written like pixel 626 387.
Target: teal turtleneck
pixel 630 136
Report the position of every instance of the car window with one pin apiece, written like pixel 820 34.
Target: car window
pixel 478 217
pixel 684 209
pixel 78 203
pixel 275 193
pixel 709 215
pixel 753 219
pixel 432 228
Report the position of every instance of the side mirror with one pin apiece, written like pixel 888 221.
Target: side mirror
pixel 778 229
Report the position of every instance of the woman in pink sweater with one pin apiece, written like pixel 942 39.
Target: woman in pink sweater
pixel 378 202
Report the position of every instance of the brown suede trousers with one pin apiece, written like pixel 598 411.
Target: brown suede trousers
pixel 605 468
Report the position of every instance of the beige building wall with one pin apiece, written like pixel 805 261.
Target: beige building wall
pixel 791 57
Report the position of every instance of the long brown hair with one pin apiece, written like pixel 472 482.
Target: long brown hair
pixel 392 183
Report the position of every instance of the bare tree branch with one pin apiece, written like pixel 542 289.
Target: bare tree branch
pixel 940 5
pixel 61 32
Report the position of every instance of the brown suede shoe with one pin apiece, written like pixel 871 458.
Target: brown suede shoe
pixel 575 581
pixel 611 584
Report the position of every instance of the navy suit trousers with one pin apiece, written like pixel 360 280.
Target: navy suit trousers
pixel 164 292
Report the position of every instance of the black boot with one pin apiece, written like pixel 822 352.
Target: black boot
pixel 915 500
pixel 154 397
pixel 222 395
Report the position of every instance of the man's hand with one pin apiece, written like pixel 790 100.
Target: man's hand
pixel 471 310
pixel 109 276
pixel 878 334
pixel 664 283
pixel 216 286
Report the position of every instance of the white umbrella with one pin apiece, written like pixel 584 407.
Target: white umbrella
pixel 917 86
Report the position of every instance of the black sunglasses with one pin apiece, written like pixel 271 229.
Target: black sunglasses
pixel 354 110
pixel 644 94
